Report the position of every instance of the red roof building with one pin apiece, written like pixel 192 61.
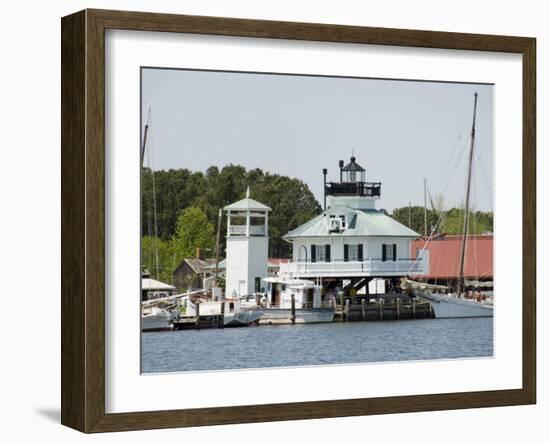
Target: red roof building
pixel 445 256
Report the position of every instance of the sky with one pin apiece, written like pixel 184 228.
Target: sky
pixel 400 131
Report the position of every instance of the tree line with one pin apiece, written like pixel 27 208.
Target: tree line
pixel 186 206
pixel 183 216
pixel 449 222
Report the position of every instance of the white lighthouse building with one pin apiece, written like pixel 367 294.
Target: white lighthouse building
pixel 351 239
pixel 247 246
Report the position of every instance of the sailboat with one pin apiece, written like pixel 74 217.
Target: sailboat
pixel 156 314
pixel 453 303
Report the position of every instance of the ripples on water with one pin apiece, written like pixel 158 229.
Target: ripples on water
pixel 316 344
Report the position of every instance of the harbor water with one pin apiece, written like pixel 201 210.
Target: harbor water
pixel 316 344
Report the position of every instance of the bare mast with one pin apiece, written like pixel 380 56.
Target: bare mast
pixel 145 131
pixel 460 283
pixel 425 211
pixel 142 154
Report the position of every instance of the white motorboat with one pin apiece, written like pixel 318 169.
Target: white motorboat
pixel 234 313
pixel 160 313
pixel 294 301
pixel 156 319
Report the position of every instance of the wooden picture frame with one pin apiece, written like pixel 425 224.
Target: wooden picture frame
pixel 83 220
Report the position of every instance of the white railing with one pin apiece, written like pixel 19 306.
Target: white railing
pixel 241 230
pixel 368 267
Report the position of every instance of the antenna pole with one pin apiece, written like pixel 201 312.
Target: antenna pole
pixel 217 248
pixel 325 189
pixel 460 283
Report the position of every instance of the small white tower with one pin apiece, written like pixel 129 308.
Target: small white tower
pixel 247 246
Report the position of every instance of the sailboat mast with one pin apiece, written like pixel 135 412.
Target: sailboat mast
pixel 425 211
pixel 460 285
pixel 145 131
pixel 142 154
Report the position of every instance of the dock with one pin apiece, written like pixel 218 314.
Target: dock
pixel 386 308
pixel 383 309
pixel 198 322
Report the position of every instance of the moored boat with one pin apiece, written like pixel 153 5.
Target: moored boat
pixel 234 314
pixel 156 319
pixel 456 301
pixel 294 301
pixel 451 306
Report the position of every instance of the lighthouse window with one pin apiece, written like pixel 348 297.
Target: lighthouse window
pixel 320 253
pixel 389 252
pixel 353 252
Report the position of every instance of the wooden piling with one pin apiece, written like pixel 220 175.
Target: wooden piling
pixel 222 315
pixel 414 308
pixel 198 320
pixel 397 308
pixel 292 309
pixel 363 305
pixel 381 309
pixel 347 309
pixel 341 296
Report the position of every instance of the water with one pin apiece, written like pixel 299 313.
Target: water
pixel 316 344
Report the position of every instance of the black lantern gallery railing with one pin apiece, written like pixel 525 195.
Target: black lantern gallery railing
pixel 353 189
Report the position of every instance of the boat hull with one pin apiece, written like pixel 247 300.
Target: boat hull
pixel 159 322
pixel 242 318
pixel 451 307
pixel 276 316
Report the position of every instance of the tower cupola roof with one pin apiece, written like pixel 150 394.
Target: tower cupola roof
pixel 352 166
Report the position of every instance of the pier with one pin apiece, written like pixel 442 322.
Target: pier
pixel 388 308
pixel 391 307
pixel 198 322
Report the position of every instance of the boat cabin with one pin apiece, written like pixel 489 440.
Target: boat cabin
pixel 280 291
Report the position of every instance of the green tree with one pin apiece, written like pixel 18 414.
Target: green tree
pixel 157 258
pixel 479 222
pixel 416 218
pixel 171 191
pixel 450 222
pixel 292 204
pixel 193 231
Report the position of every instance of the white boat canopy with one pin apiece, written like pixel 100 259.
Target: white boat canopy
pixel 153 284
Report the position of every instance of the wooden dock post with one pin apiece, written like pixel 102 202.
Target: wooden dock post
pixel 341 296
pixel 292 309
pixel 347 309
pixel 363 306
pixel 397 310
pixel 222 314
pixel 381 309
pixel 414 308
pixel 198 319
